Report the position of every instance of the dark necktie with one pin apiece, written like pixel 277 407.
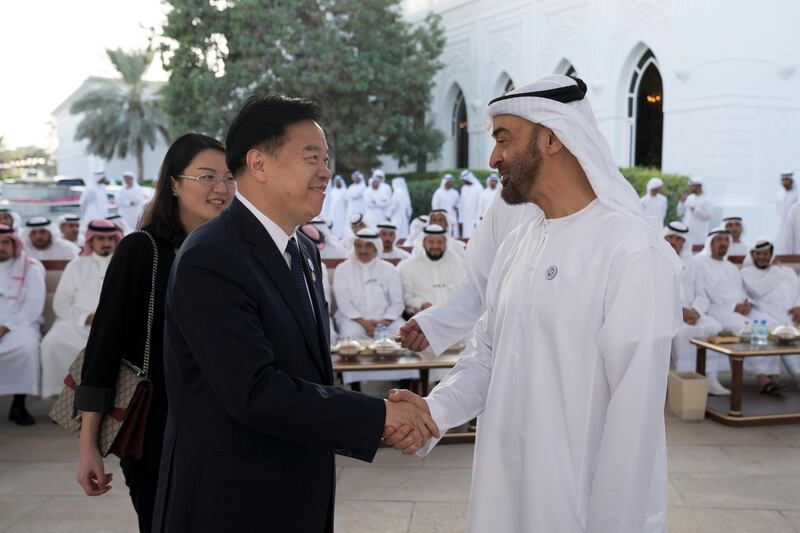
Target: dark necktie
pixel 299 277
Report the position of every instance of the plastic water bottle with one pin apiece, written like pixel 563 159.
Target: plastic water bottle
pixel 380 332
pixel 764 333
pixel 760 333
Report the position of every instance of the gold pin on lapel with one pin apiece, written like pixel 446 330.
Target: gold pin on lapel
pixel 313 277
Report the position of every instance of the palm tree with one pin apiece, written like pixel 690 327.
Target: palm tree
pixel 122 117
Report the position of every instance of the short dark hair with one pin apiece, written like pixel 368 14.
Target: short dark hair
pixel 162 217
pixel 261 123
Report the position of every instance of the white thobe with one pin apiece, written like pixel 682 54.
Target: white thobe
pixel 427 281
pixel 333 250
pixel 721 283
pixel 469 209
pixel 783 204
pixel 447 323
pixel 446 199
pixel 93 205
pixel 399 213
pixel 21 305
pixel 684 353
pixel 569 379
pixel 396 253
pixel 372 291
pixel 355 199
pixel 486 199
pixel 774 291
pixel 338 212
pixel 59 250
pixel 696 212
pixel 376 205
pixel 130 203
pixel 655 206
pixel 76 297
pixel 792 230
pixel 740 249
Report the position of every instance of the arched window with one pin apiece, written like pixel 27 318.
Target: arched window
pixel 646 112
pixel 571 71
pixel 461 131
pixel 509 86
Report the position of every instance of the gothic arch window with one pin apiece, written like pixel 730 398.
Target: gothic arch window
pixel 460 131
pixel 509 86
pixel 571 71
pixel 646 112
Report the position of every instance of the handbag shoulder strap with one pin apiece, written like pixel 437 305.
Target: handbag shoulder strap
pixel 151 305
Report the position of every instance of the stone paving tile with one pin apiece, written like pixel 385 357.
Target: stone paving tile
pixel 439 518
pixel 370 517
pixel 51 479
pixel 400 484
pixel 739 491
pixel 708 433
pixel 794 518
pixel 757 460
pixel 14 508
pixel 79 514
pixel 698 459
pixel 687 520
pixel 20 447
pixel 451 456
pixel 673 498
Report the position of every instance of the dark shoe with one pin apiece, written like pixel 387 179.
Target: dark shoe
pixel 773 389
pixel 21 416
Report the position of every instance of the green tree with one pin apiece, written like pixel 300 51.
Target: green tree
pixel 122 116
pixel 371 71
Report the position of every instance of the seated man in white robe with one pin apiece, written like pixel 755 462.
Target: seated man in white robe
pixel 738 248
pixel 440 218
pixel 696 323
pixel 22 296
pixel 75 302
pixel 720 281
pixel 10 218
pixel 369 296
pixel 773 289
pixel 415 230
pixel 430 278
pixel 121 223
pixel 70 226
pixel 43 243
pixel 388 235
pixel 357 223
pixel 328 248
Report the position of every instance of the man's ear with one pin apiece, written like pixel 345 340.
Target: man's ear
pixel 257 163
pixel 552 145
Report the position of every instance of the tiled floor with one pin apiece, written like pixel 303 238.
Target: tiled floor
pixel 721 480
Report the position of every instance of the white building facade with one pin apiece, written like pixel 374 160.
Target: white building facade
pixel 72 159
pixel 703 88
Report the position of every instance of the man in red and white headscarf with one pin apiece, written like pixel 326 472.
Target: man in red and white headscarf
pixel 22 295
pixel 74 303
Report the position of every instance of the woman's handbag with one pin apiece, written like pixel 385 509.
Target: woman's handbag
pixel 122 429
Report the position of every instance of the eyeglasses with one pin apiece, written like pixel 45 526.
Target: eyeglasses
pixel 211 180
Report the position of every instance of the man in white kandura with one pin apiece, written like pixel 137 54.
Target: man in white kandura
pixel 489 193
pixel 784 201
pixel 573 352
pixel 94 199
pixel 429 278
pixel 338 212
pixel 469 203
pixel 720 281
pixel 440 218
pixel 655 203
pixel 75 302
pixel 400 208
pixel 328 246
pixel 387 232
pixel 696 210
pixel 446 198
pixel 369 297
pixel 130 200
pixel 376 202
pixel 696 322
pixel 70 227
pixel 774 290
pixel 22 296
pixel 355 194
pixel 42 241
pixel 734 226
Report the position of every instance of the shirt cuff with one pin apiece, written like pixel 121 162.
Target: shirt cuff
pixel 99 399
pixel 439 418
pixel 82 319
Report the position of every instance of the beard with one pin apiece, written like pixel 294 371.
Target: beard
pixel 524 172
pixel 434 256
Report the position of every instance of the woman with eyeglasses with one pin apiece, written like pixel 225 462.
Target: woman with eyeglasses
pixel 194 186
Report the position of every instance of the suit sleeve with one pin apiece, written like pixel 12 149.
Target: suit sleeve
pixel 216 312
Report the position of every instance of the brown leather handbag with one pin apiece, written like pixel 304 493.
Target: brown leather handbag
pixel 122 429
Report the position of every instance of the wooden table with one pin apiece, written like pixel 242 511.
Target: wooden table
pixel 760 409
pixel 408 361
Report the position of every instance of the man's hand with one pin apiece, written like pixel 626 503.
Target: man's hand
pixel 408 423
pixel 411 337
pixel 690 316
pixel 743 308
pixel 426 305
pixel 89 319
pixel 3 331
pixel 794 312
pixel 386 322
pixel 403 437
pixel 368 325
pixel 684 196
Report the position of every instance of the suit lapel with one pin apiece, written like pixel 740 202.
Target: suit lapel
pixel 271 259
pixel 317 297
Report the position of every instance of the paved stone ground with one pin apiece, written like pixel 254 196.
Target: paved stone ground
pixel 721 480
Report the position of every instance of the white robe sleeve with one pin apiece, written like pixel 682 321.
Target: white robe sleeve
pixel 64 297
pixel 395 288
pixel 461 395
pixel 342 293
pixel 641 317
pixel 681 208
pixel 703 210
pixel 790 230
pixel 411 296
pixel 32 305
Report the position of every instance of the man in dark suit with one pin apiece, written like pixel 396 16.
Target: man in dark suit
pixel 254 419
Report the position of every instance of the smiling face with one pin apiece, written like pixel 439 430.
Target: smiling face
pixel 762 257
pixel 199 202
pixel 516 156
pixel 365 251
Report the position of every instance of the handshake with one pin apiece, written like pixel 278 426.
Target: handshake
pixel 408 425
